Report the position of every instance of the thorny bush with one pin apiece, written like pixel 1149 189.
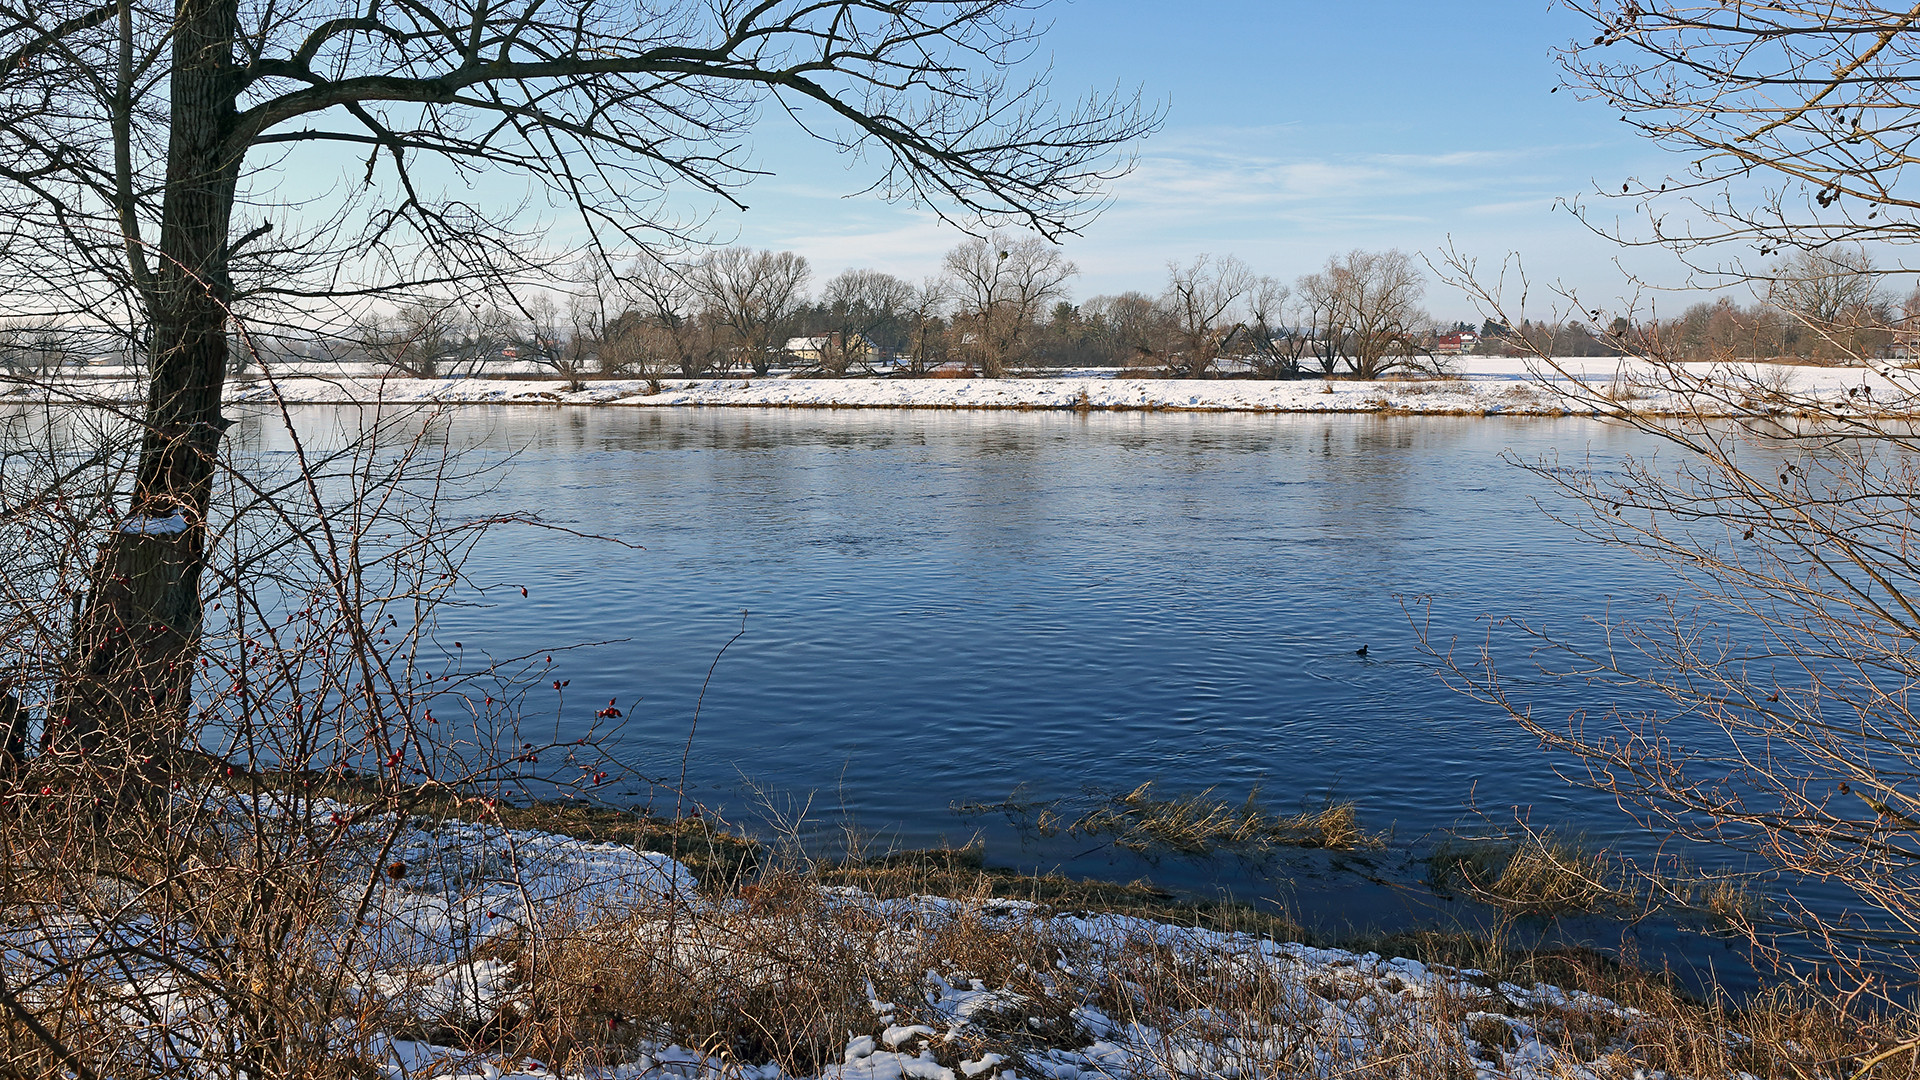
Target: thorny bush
pixel 199 908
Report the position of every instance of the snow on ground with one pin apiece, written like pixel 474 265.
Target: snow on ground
pixel 1489 386
pixel 464 883
pixel 1174 1002
pixel 467 881
pixel 1483 386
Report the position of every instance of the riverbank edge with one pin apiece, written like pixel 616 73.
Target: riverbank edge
pixel 1524 1015
pixel 1471 395
pixel 1590 995
pixel 723 859
pixel 1463 397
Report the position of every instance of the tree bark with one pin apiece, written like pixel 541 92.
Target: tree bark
pixel 127 686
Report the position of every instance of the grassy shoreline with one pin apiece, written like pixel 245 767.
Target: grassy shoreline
pixel 725 861
pixel 509 937
pixel 1589 1009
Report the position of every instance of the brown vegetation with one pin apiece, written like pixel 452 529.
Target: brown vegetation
pixel 1194 823
pixel 621 983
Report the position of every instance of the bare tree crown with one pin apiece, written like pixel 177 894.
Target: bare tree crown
pixel 1794 120
pixel 604 104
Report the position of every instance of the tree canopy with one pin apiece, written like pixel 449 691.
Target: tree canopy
pixel 132 120
pixel 1794 120
pixel 153 146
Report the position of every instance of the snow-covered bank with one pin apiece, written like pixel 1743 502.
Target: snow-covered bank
pixel 1484 386
pixel 475 950
pixel 1281 1008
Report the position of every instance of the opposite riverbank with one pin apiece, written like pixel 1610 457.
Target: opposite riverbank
pixel 1483 386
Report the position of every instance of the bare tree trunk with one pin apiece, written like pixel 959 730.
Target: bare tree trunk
pixel 128 681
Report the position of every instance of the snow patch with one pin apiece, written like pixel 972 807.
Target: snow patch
pixel 147 525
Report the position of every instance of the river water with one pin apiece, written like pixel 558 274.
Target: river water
pixel 944 608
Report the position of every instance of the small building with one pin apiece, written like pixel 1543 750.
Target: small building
pixel 819 348
pixel 809 349
pixel 1904 343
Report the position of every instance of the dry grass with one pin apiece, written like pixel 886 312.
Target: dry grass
pixel 1650 1025
pixel 792 968
pixel 1541 874
pixel 1415 379
pixel 785 971
pixel 1623 387
pixel 1537 874
pixel 1770 384
pixel 779 976
pixel 702 844
pixel 1144 820
pixel 1657 1029
pixel 1235 1012
pixel 790 972
pixel 960 872
pixel 1199 824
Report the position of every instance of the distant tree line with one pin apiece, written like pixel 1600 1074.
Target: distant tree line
pixel 1000 303
pixel 1826 305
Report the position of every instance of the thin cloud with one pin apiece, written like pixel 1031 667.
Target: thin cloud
pixel 1225 173
pixel 1539 204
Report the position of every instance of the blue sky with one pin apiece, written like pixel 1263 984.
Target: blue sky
pixel 1294 130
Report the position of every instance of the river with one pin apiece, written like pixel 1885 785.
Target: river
pixel 941 608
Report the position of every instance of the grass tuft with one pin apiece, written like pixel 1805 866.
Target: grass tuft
pixel 1538 874
pixel 1198 824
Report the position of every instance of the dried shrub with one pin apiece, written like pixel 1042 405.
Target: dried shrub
pixel 185 896
pixel 779 974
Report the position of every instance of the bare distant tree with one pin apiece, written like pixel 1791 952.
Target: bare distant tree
pixel 415 341
pixel 1907 325
pixel 1200 302
pixel 1319 300
pixel 1834 293
pixel 562 340
pixel 593 305
pixel 610 313
pixel 753 295
pixel 1000 285
pixel 927 337
pixel 1375 300
pixel 35 347
pixel 865 314
pixel 407 343
pixel 1135 326
pixel 666 322
pixel 629 346
pixel 1273 335
pixel 428 337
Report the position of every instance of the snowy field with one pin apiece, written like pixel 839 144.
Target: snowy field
pixel 1482 386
